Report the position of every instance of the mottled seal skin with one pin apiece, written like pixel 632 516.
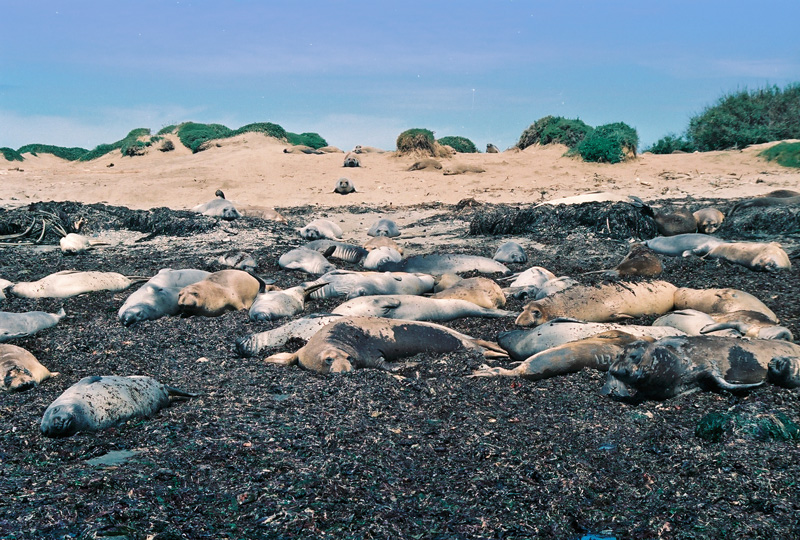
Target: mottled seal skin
pixel 425 164
pixel 384 227
pixel 521 344
pixel 17 325
pixel 159 296
pixel 683 244
pixel 447 264
pixel 602 303
pixel 20 370
pixel 784 371
pixel 344 186
pixel 382 241
pixel 754 255
pixel 372 342
pixel 752 324
pixel 68 283
pixel 681 221
pixel 77 243
pixel 219 207
pixel 351 160
pixel 640 261
pixel 353 284
pixel 302 328
pixel 223 291
pixel 510 252
pixel 321 228
pixel 480 291
pixel 341 250
pixel 378 257
pixel 692 322
pixel 416 308
pixel 240 260
pixel 709 220
pixel 597 352
pixel 96 403
pixel 672 366
pixel 308 260
pixel 720 301
pixel 492 149
pixel 274 305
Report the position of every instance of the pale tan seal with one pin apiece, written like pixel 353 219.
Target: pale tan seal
pixel 301 149
pixel 68 283
pixel 330 150
pixel 351 160
pixel 261 212
pixel 462 168
pixel 602 303
pixel 382 241
pixel 680 221
pixel 223 291
pixel 708 220
pixel 425 164
pixel 720 301
pixel 344 186
pixel 480 291
pixel 77 243
pixel 416 308
pixel 20 370
pixel 767 257
pixel 361 149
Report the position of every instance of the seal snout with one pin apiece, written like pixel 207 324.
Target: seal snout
pixel 19 380
pixel 58 422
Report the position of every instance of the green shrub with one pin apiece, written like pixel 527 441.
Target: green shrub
pixel 306 139
pixel 610 143
pixel 786 154
pixel 671 143
pixel 459 144
pixel 194 135
pixel 70 154
pixel 11 155
pixel 131 145
pixel 416 140
pixel 554 129
pixel 269 129
pixel 100 150
pixel 744 118
pixel 131 139
pixel 167 130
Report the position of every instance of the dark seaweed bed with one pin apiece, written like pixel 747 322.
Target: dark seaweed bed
pixel 272 452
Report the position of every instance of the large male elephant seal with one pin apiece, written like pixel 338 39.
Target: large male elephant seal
pixel 672 366
pixel 68 283
pixel 308 260
pixel 768 257
pixel 708 220
pixel 384 227
pixel 372 342
pixel 683 244
pixel 681 221
pixel 510 252
pixel 17 325
pixel 720 301
pixel 302 328
pixel 159 296
pixel 447 264
pixel 321 228
pixel 96 403
pixel 273 305
pixel 352 284
pixel 480 291
pixel 341 250
pixel 416 308
pixel 223 291
pixel 602 303
pixel 20 370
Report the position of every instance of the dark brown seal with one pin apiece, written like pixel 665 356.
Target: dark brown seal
pixel 681 221
pixel 640 261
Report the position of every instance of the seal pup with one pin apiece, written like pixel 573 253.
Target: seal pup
pixel 352 284
pixel 754 255
pixel 673 366
pixel 360 149
pixel 382 241
pixel 68 283
pixel 302 149
pixel 480 291
pixel 344 186
pixel 554 285
pixel 261 212
pixel 76 243
pixel 351 160
pixel 601 303
pixel 223 291
pixel 462 168
pixel 692 322
pixel 445 281
pixel 708 220
pixel 510 252
pixel 218 207
pixel 373 342
pixel 341 250
pixel 377 257
pixel 492 149
pixel 20 370
pixel 416 308
pixel 17 325
pixel 384 227
pixel 752 324
pixel 640 261
pixel 302 328
pixel 720 301
pixel 308 260
pixel 527 283
pixel 240 260
pixel 321 228
pixel 96 403
pixel 331 150
pixel 425 164
pixel 273 305
pixel 447 264
pixel 597 352
pixel 683 244
pixel 680 221
pixel 159 296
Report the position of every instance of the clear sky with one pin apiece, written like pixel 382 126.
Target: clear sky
pixel 81 73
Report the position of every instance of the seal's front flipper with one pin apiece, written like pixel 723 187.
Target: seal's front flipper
pixel 282 359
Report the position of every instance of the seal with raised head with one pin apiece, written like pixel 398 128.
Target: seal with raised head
pixel 752 324
pixel 308 260
pixel 720 301
pixel 17 325
pixel 510 252
pixel 672 366
pixel 767 257
pixel 321 228
pixel 480 291
pixel 382 241
pixel 68 283
pixel 344 186
pixel 708 220
pixel 384 227
pixel 683 244
pixel 351 160
pixel 373 342
pixel 96 403
pixel 680 221
pixel 601 303
pixel 341 250
pixel 447 264
pixel 159 296
pixel 302 328
pixel 352 284
pixel 20 370
pixel 378 257
pixel 492 149
pixel 416 308
pixel 223 291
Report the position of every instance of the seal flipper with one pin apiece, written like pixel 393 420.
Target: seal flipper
pixel 739 326
pixel 283 359
pixel 725 385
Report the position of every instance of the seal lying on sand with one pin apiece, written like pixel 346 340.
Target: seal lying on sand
pixel 708 220
pixel 425 164
pixel 510 252
pixel 720 301
pixel 370 342
pixel 754 255
pixel 261 212
pixel 351 160
pixel 308 260
pixel 416 308
pixel 681 221
pixel 321 228
pixel 159 296
pixel 341 250
pixel 447 264
pixel 68 283
pixel 492 149
pixel 344 186
pixel 462 168
pixel 17 325
pixel 96 403
pixel 672 366
pixel 609 302
pixel 20 370
pixel 223 291
pixel 302 328
pixel 480 291
pixel 302 149
pixel 384 227
pixel 352 284
pixel 273 305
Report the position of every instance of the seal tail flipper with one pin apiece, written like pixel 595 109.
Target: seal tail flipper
pixel 137 279
pixel 311 288
pixel 176 394
pixel 282 359
pixel 739 326
pixel 725 385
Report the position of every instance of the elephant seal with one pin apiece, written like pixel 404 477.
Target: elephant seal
pixel 4 284
pixel 553 286
pixel 673 366
pixel 373 342
pixel 240 260
pixel 302 149
pixel 20 370
pixel 377 257
pixel 447 264
pixel 260 212
pixel 597 196
pixel 681 221
pixel 779 197
pixel 445 281
pixel 597 352
pixel 416 308
pixel 223 291
pixel 784 371
pixel 754 255
pixel 384 227
pixel 331 150
pixel 708 220
pixel 321 228
pixel 510 252
pixel 68 283
pixel 344 186
pixel 361 149
pixel 480 291
pixel 425 164
pixel 273 305
pixel 462 168
pixel 602 303
pixel 640 261
pixel 341 250
pixel 308 260
pixel 692 322
pixel 352 284
pixel 382 241
pixel 492 149
pixel 720 301
pixel 683 244
pixel 159 296
pixel 77 243
pixel 218 207
pixel 521 344
pixel 302 328
pixel 535 276
pixel 752 324
pixel 351 160
pixel 17 325
pixel 96 403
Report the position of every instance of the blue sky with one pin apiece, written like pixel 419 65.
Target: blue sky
pixel 81 73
